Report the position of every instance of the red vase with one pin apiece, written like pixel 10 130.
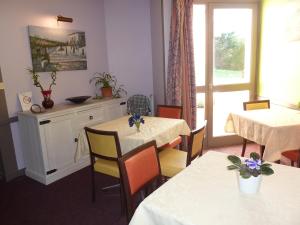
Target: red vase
pixel 47 102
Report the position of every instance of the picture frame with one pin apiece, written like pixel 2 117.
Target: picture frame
pixel 59 49
pixel 25 99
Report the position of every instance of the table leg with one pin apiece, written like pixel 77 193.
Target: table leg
pixel 262 150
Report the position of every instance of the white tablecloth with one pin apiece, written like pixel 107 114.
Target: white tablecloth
pixel 163 130
pixel 207 193
pixel 278 129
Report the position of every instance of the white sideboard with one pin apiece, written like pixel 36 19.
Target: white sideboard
pixel 49 139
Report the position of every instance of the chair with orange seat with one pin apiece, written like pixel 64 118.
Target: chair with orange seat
pixel 173 112
pixel 253 105
pixel 140 170
pixel 104 147
pixel 173 161
pixel 294 156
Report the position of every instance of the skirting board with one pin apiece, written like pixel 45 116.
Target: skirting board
pixel 48 179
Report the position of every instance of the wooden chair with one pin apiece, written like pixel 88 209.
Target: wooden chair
pixel 173 161
pixel 294 156
pixel 105 151
pixel 140 170
pixel 173 112
pixel 253 105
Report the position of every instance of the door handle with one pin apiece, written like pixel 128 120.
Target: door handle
pixel 45 122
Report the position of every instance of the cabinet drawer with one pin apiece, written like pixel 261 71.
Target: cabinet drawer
pixel 90 117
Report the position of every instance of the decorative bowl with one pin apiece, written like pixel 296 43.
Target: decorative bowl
pixel 78 99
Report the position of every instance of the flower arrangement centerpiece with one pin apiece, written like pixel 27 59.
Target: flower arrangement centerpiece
pixel 136 120
pixel 250 171
pixel 47 103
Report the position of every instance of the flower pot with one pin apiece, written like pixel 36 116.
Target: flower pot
pixel 250 185
pixel 47 102
pixel 106 91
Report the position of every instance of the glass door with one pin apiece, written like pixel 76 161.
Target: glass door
pixel 224 46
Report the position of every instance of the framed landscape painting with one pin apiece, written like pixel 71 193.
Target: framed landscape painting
pixel 57 48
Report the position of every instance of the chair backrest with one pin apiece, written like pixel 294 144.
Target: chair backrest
pixel 259 104
pixel 169 111
pixel 196 143
pixel 138 104
pixel 139 168
pixel 103 144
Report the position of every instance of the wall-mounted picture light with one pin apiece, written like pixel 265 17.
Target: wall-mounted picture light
pixel 64 19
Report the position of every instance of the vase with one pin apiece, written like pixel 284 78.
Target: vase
pixel 47 102
pixel 137 125
pixel 250 185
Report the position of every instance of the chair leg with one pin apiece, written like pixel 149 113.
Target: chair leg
pixel 123 201
pixel 277 161
pixel 244 147
pixel 93 185
pixel 262 150
pixel 110 187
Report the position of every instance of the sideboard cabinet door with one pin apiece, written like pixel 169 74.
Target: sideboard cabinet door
pixel 58 143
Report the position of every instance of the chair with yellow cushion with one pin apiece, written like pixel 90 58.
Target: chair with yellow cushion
pixel 105 151
pixel 172 161
pixel 173 112
pixel 253 105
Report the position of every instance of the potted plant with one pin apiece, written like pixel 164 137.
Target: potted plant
pixel 106 81
pixel 118 91
pixel 250 171
pixel 47 102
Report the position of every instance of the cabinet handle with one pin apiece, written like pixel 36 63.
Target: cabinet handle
pixel 51 171
pixel 91 117
pixel 75 139
pixel 45 122
pixel 123 103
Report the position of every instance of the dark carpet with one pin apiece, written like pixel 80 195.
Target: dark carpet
pixel 67 201
pixel 24 201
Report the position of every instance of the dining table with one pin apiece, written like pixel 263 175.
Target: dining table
pixel 162 130
pixel 276 128
pixel 207 193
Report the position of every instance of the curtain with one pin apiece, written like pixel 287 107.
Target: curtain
pixel 181 89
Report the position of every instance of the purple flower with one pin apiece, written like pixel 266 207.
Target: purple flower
pixel 135 119
pixel 253 164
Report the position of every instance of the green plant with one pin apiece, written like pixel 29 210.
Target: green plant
pixel 250 167
pixel 107 80
pixel 118 90
pixel 103 79
pixel 35 77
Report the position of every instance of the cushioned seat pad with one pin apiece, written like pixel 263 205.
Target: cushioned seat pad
pixel 172 161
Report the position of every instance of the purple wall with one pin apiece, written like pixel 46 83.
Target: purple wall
pixel 128 35
pixel 118 40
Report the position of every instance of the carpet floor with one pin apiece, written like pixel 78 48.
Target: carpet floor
pixel 24 201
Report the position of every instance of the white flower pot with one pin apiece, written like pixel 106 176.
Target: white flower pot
pixel 250 185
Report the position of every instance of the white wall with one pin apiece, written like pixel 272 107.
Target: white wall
pixel 129 44
pixel 126 52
